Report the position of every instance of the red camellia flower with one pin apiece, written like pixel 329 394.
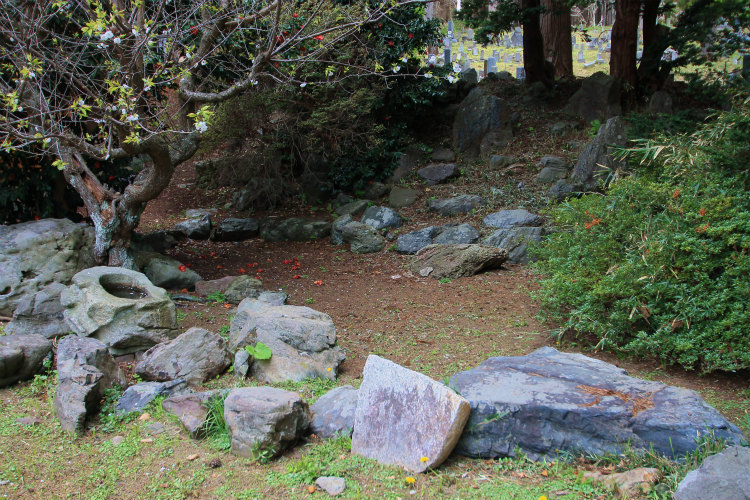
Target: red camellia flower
pixel 295 15
pixel 242 270
pixel 296 277
pixel 318 282
pixel 390 43
pixel 411 35
pixel 36 217
pixel 194 30
pixel 182 269
pixel 111 178
pixel 319 37
pixel 259 271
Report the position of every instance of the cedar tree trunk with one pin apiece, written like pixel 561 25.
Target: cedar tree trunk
pixel 533 45
pixel 558 47
pixel 622 63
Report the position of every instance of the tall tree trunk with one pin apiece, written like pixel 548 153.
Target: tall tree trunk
pixel 622 63
pixel 651 72
pixel 533 45
pixel 558 47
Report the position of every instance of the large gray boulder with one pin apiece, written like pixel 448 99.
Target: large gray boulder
pixel 37 253
pixel 515 241
pixel 724 476
pixel 512 218
pixel 456 234
pixel 413 242
pixel 598 98
pixel 40 313
pixel 166 272
pixel 197 226
pixel 457 205
pixel 235 229
pixel 548 402
pixel 382 218
pixel 138 396
pixel 362 238
pixel 352 208
pixel 264 420
pixel 337 236
pixel 191 410
pixel 22 357
pixel 294 229
pixel 437 173
pixel 333 413
pixel 401 197
pixel 85 370
pixel 405 418
pixel 234 288
pixel 456 261
pixel 195 356
pixel 119 307
pixel 302 340
pixel 597 161
pixel 478 115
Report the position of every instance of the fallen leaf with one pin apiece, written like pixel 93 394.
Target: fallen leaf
pixel 192 457
pixel 145 416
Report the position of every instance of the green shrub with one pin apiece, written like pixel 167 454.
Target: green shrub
pixel 659 265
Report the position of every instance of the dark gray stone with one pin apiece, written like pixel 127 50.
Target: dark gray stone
pixel 553 168
pixel 362 238
pixel 241 288
pixel 660 103
pixel 166 272
pixel 515 241
pixel 562 128
pixel 456 234
pixel 195 356
pixel 332 485
pixel 375 190
pixel 597 99
pixel 264 419
pixel 234 229
pixel 333 413
pixel 382 218
pixel 241 363
pixel 402 197
pixel 441 154
pixel 437 173
pixel 456 261
pixel 412 242
pixel 337 236
pixel 596 162
pixel 548 402
pixel 457 205
pixel 22 357
pixel 723 476
pixel 197 227
pixel 138 396
pixel 156 241
pixel 512 218
pixel 477 116
pixel 294 229
pixel 273 298
pixel 40 313
pixel 501 161
pixel 37 253
pixel 561 190
pixel 353 208
pixel 407 162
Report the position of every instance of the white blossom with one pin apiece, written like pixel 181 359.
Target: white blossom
pixel 303 84
pixel 132 118
pixel 201 126
pixel 456 67
pixel 452 79
pixel 107 35
pixel 117 40
pixel 428 74
pixel 396 68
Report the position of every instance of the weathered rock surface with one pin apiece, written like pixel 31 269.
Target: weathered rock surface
pixel 512 218
pixel 561 190
pixel 195 356
pixel 723 476
pixel 123 324
pixel 382 218
pixel 40 313
pixel 437 173
pixel 191 410
pixel 234 288
pixel 156 241
pixel 596 161
pixel 362 238
pixel 660 103
pixel 166 272
pixel 85 369
pixel 553 169
pixel 37 253
pixel 515 241
pixel 501 161
pixel 549 402
pixel 478 115
pixel 197 227
pixel 294 229
pixel 264 419
pixel 403 416
pixel 456 234
pixel 456 261
pixel 333 413
pixel 302 340
pixel 22 356
pixel 597 99
pixel 353 208
pixel 331 484
pixel 402 197
pixel 337 237
pixel 441 154
pixel 414 241
pixel 235 229
pixel 376 190
pixel 138 396
pixel 457 205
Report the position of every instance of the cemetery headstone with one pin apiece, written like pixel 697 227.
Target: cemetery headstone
pixel 447 59
pixel 450 25
pixel 520 73
pixel 581 57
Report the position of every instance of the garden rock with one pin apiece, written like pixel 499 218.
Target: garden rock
pixel 441 154
pixel 598 98
pixel 456 261
pixel 411 243
pixel 124 324
pixel 723 476
pixel 629 484
pixel 195 356
pixel 156 241
pixel 85 369
pixel 302 340
pixel 437 173
pixel 407 162
pixel 37 253
pixel 478 115
pixel 40 313
pixel 561 190
pixel 562 128
pixel 197 227
pixel 553 168
pixel 353 208
pixel 382 218
pixel 22 357
pixel 402 197
pixel 234 229
pixel 512 218
pixel 515 241
pixel 501 161
pixel 138 396
pixel 597 161
pixel 375 190
pixel 660 103
pixel 166 272
pixel 294 229
pixel 457 205
pixel 456 234
pixel 337 236
pixel 548 402
pixel 241 364
pixel 403 416
pixel 273 298
pixel 191 410
pixel 332 485
pixel 362 238
pixel 264 419
pixel 333 413
pixel 234 288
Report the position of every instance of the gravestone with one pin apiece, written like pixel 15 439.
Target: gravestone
pixel 491 65
pixel 447 57
pixel 581 57
pixel 599 58
pixel 475 51
pixel 450 26
pixel 520 73
pixel 517 57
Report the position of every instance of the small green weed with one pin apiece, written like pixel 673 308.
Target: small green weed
pixel 109 419
pixel 216 297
